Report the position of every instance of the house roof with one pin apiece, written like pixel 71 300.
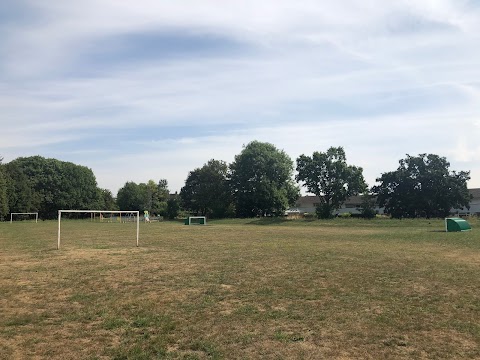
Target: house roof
pixel 357 200
pixel 310 200
pixel 354 200
pixel 475 193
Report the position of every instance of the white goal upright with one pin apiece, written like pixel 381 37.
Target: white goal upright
pixel 24 213
pixel 60 212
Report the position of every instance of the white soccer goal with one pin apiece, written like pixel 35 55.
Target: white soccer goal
pixel 202 220
pixel 25 213
pixel 60 212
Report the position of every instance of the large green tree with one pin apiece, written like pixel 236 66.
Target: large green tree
pixel 4 208
pixel 173 207
pixel 159 194
pixel 21 197
pixel 206 190
pixel 422 186
pixel 261 180
pixel 328 176
pixel 59 185
pixel 131 197
pixel 108 202
pixel 144 196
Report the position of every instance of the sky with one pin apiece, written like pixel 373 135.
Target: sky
pixel 152 89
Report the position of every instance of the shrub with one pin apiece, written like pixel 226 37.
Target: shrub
pixel 309 216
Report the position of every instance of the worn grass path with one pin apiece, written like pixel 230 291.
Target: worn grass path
pixel 240 289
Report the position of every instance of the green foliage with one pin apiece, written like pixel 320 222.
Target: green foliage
pixel 206 190
pixel 156 197
pixel 4 208
pixel 20 193
pixel 422 186
pixel 261 179
pixel 367 207
pixel 108 202
pixel 131 197
pixel 328 176
pixel 55 185
pixel 324 211
pixel 173 208
pixel 144 196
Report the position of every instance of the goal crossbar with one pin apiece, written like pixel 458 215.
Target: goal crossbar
pixel 24 213
pixel 60 212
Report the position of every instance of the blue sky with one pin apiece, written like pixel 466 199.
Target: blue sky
pixel 152 89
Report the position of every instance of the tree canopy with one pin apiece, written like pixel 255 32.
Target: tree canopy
pixel 131 197
pixel 261 180
pixel 206 190
pixel 144 196
pixel 4 208
pixel 173 207
pixel 108 202
pixel 54 184
pixel 328 176
pixel 422 186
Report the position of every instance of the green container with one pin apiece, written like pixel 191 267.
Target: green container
pixel 186 221
pixel 456 224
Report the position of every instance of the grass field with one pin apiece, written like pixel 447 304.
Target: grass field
pixel 240 289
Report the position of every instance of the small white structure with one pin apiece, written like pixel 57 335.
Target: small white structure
pixel 136 213
pixel 24 213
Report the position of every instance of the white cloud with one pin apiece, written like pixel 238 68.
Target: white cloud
pixel 381 78
pixel 372 144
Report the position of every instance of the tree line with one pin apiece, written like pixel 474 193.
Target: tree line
pixel 259 182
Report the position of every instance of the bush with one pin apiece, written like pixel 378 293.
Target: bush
pixel 309 216
pixel 323 211
pixel 368 213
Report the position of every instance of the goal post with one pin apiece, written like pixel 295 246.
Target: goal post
pixel 60 212
pixel 24 213
pixel 202 220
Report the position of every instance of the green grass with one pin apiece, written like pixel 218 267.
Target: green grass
pixel 240 289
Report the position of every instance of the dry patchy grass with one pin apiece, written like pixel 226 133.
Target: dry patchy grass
pixel 239 289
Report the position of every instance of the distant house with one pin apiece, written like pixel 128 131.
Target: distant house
pixel 474 205
pixel 308 204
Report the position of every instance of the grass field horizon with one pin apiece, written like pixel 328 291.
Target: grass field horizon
pixel 240 289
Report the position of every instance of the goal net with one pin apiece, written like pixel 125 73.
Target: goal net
pixel 24 215
pixel 197 220
pixel 101 214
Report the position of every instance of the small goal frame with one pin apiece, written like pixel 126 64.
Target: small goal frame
pixel 197 217
pixel 24 213
pixel 60 212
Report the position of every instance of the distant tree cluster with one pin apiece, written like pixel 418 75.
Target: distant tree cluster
pixel 37 184
pixel 259 182
pixel 4 208
pixel 150 196
pixel 422 186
